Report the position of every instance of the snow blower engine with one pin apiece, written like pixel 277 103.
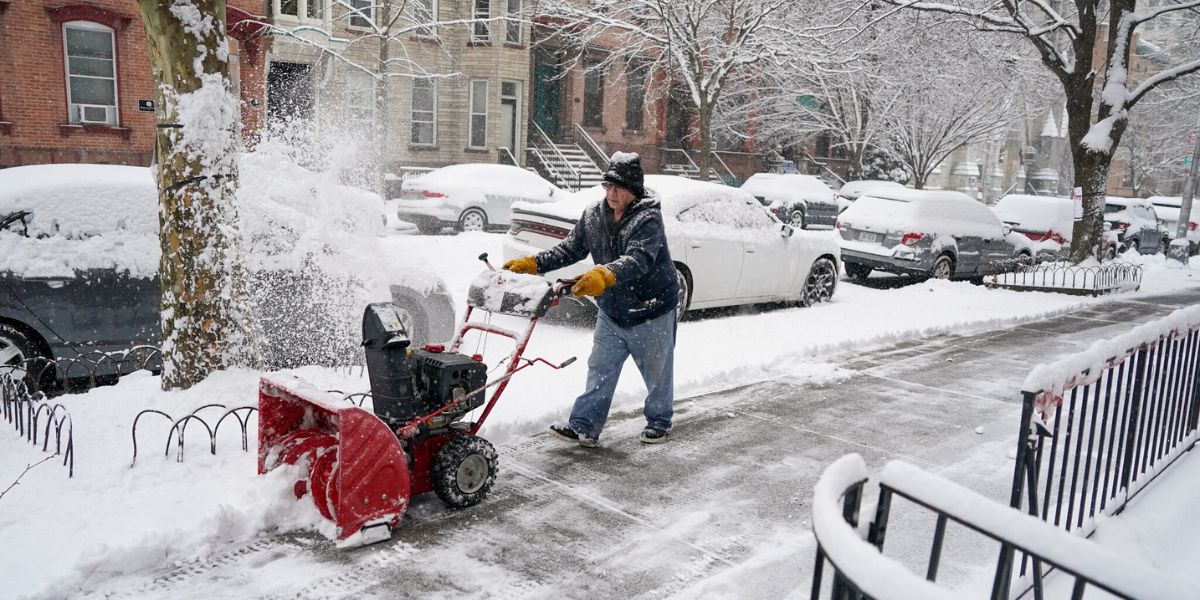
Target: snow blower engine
pixel 362 467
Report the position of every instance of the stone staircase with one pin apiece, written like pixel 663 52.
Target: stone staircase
pixel 565 165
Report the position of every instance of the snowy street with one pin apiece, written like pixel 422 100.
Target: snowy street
pixel 765 399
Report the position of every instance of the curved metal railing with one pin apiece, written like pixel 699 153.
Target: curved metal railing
pixel 83 371
pixel 1067 278
pixel 24 410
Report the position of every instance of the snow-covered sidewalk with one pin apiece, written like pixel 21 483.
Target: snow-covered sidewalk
pixel 61 536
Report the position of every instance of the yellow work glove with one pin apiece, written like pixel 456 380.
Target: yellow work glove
pixel 526 265
pixel 594 282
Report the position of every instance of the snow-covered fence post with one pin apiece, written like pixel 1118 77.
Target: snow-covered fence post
pixel 196 155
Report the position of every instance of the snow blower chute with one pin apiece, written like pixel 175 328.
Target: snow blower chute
pixel 362 467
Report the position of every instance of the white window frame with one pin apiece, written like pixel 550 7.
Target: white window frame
pixel 301 15
pixel 471 114
pixel 412 110
pixel 430 31
pixel 351 15
pixel 484 26
pixel 516 110
pixel 508 24
pixel 355 111
pixel 115 121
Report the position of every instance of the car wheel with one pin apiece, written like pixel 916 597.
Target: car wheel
pixel 685 293
pixel 472 219
pixel 796 219
pixel 1023 260
pixel 464 471
pixel 857 272
pixel 943 267
pixel 820 283
pixel 1110 253
pixel 1133 245
pixel 23 359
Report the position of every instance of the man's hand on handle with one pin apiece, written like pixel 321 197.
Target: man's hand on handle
pixel 526 265
pixel 594 282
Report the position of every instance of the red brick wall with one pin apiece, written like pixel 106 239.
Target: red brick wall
pixel 33 101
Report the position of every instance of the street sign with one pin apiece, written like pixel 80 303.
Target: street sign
pixel 145 106
pixel 1077 199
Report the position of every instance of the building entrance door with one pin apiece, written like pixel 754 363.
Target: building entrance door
pixel 546 96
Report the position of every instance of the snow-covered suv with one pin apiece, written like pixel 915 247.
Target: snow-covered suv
pixel 79 263
pixel 1136 224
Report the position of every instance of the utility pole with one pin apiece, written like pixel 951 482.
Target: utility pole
pixel 1180 248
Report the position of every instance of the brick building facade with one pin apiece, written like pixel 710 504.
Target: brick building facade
pixel 91 109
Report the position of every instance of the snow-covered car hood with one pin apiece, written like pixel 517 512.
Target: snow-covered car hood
pixel 788 188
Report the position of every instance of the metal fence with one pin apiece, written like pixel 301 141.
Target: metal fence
pixel 34 418
pixel 1094 434
pixel 1066 278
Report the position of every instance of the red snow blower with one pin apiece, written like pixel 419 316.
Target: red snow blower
pixel 361 468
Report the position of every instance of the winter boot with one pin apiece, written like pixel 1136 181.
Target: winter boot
pixel 654 435
pixel 566 434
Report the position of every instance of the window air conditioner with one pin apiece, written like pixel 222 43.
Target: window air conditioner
pixel 96 114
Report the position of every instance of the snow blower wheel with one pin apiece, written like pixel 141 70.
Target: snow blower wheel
pixel 464 471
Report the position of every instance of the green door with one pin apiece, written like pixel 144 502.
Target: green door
pixel 546 97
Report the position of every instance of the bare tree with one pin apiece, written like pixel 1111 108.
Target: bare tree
pixel 1068 38
pixel 1154 146
pixel 701 44
pixel 203 296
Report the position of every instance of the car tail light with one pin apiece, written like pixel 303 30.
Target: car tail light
pixel 519 225
pixel 1033 235
pixel 429 194
pixel 911 238
pixel 1056 237
pixel 837 224
pixel 1192 225
pixel 1121 225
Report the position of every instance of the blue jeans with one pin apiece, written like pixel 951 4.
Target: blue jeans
pixel 652 345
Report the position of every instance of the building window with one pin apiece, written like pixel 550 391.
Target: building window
pixel 593 93
pixel 635 91
pixel 289 7
pixel 510 115
pixel 314 9
pixel 363 14
pixel 91 73
pixel 360 102
pixel 512 27
pixel 481 29
pixel 424 111
pixel 424 16
pixel 478 124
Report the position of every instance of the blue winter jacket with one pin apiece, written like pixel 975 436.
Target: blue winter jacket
pixel 637 254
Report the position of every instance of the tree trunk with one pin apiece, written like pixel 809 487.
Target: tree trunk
pixel 379 151
pixel 855 169
pixel 203 291
pixel 705 141
pixel 1091 174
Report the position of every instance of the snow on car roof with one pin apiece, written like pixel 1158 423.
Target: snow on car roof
pixel 676 193
pixel 857 188
pixel 923 211
pixel 1037 213
pixel 1119 201
pixel 81 200
pixel 1172 201
pixel 787 185
pixel 492 178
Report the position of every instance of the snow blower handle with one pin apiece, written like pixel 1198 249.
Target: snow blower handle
pixel 562 287
pixel 484 258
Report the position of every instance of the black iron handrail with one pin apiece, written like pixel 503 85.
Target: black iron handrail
pixel 861 570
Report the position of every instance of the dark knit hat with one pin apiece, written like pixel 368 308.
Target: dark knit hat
pixel 625 170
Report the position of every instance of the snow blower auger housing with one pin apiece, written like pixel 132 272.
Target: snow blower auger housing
pixel 362 468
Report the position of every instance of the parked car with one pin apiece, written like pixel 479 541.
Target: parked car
pixel 472 197
pixel 1167 208
pixel 798 200
pixel 1136 224
pixel 79 265
pixel 728 249
pixel 1049 222
pixel 851 190
pixel 945 235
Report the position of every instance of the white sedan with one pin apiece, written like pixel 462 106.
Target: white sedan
pixel 728 249
pixel 472 197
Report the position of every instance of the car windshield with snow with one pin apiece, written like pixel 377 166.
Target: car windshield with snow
pixel 1136 224
pixel 798 200
pixel 931 233
pixel 79 266
pixel 472 197
pixel 728 250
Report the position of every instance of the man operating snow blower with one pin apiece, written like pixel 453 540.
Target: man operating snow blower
pixel 636 289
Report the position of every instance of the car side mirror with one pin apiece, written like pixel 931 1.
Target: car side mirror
pixel 1108 225
pixel 1007 229
pixel 786 231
